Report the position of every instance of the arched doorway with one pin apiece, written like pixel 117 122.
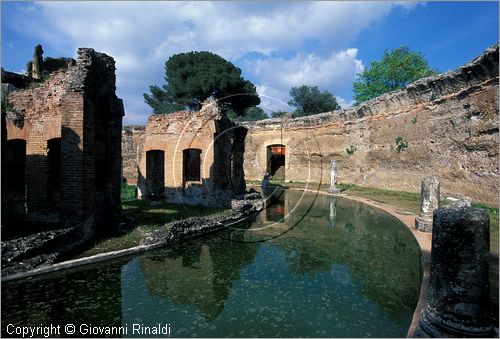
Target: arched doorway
pixel 276 161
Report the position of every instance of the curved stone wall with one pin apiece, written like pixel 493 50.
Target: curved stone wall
pixel 449 122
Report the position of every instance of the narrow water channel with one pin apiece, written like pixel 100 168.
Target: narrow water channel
pixel 307 266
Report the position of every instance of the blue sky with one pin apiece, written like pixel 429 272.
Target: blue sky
pixel 276 44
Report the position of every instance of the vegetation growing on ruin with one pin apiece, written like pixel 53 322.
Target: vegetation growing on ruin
pixel 434 97
pixel 401 144
pixel 350 150
pixel 394 71
pixel 6 105
pixel 192 77
pixel 310 100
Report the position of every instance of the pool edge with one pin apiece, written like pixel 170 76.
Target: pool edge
pixel 424 241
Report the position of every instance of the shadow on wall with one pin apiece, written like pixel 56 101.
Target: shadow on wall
pixel 196 174
pixel 56 189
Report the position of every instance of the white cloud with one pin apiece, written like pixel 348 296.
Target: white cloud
pixel 142 35
pixel 344 103
pixel 334 73
pixel 273 99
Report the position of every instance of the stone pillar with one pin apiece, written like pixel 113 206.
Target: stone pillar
pixel 459 293
pixel 37 65
pixel 333 178
pixel 429 201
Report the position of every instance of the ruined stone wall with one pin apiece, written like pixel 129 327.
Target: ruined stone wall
pixel 449 121
pixel 71 126
pixel 208 131
pixel 132 140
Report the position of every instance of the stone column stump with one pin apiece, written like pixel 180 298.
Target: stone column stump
pixel 459 292
pixel 429 201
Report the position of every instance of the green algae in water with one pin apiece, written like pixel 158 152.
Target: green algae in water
pixel 300 269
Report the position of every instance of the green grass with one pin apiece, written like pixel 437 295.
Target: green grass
pixel 128 193
pixel 152 216
pixel 145 217
pixel 405 200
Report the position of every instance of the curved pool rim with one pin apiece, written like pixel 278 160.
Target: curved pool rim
pixel 423 240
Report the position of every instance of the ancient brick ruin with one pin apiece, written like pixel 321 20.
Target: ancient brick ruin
pixel 61 145
pixel 450 122
pixel 132 139
pixel 192 158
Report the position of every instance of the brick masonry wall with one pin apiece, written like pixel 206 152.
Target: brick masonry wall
pixel 80 107
pixel 207 130
pixel 132 138
pixel 450 122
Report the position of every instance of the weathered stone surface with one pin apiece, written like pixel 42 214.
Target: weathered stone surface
pixel 465 202
pixel 429 201
pixel 196 226
pixel 132 140
pixel 37 65
pixel 450 122
pixel 458 299
pixel 58 64
pixel 173 141
pixel 61 152
pixel 247 203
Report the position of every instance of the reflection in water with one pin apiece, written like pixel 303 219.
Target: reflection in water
pixel 197 274
pixel 89 295
pixel 333 210
pixel 340 270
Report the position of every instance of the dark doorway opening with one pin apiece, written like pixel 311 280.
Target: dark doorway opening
pixel 14 178
pixel 53 172
pixel 276 161
pixel 155 172
pixel 191 164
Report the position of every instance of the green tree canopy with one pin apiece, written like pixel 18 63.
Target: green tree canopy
pixel 309 100
pixel 251 114
pixel 278 114
pixel 193 77
pixel 396 70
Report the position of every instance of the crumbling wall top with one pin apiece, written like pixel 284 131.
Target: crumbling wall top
pixel 176 122
pixel 482 69
pixel 89 61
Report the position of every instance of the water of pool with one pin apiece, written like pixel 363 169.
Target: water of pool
pixel 307 266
